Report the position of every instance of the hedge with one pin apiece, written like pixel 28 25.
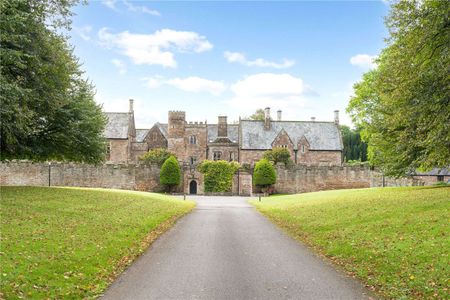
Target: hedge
pixel 218 175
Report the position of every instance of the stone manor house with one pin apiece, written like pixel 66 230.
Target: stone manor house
pixel 309 142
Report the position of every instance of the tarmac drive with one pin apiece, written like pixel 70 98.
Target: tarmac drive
pixel 225 249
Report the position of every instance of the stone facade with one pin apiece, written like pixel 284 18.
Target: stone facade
pixel 309 143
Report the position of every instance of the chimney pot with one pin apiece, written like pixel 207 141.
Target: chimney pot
pixel 267 118
pixel 279 115
pixel 336 117
pixel 313 119
pixel 131 109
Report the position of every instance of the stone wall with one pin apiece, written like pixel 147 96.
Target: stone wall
pixel 290 180
pixel 302 178
pixel 119 176
pixel 119 150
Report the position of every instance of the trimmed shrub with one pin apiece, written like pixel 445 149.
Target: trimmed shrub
pixel 218 175
pixel 279 155
pixel 170 174
pixel 156 156
pixel 264 174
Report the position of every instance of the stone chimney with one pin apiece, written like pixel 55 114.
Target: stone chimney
pixel 279 115
pixel 222 127
pixel 336 117
pixel 267 118
pixel 131 109
pixel 313 119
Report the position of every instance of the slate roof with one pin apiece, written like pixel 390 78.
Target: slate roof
pixel 320 135
pixel 163 128
pixel 117 126
pixel 140 134
pixel 435 172
pixel 233 132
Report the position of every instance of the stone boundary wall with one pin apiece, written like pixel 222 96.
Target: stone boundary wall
pixel 302 178
pixel 119 176
pixel 291 180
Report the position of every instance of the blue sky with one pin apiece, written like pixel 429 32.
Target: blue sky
pixel 227 58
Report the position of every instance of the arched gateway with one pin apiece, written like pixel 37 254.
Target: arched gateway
pixel 193 187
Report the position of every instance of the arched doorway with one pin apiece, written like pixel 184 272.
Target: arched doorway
pixel 193 187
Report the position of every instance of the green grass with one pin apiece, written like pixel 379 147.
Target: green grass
pixel 395 239
pixel 72 242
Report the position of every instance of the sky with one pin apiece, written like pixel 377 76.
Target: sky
pixel 227 58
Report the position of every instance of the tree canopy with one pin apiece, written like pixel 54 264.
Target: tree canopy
pixel 264 174
pixel 258 115
pixel 354 148
pixel 278 155
pixel 156 156
pixel 47 107
pixel 170 174
pixel 403 106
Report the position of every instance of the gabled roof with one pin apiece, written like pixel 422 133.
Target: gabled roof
pixel 163 128
pixel 140 134
pixel 233 133
pixel 117 126
pixel 320 135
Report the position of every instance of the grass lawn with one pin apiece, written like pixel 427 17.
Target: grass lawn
pixel 72 242
pixel 395 239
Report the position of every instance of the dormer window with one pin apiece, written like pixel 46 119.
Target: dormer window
pixel 193 140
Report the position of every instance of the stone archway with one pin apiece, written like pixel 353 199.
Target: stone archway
pixel 193 187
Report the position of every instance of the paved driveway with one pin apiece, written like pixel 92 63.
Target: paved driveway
pixel 225 249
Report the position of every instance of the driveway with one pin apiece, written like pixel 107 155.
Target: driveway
pixel 225 249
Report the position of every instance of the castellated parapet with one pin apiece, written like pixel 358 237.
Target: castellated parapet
pixel 177 124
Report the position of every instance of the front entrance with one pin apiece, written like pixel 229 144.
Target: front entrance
pixel 193 187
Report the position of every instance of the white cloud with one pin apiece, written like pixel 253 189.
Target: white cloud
pixel 121 66
pixel 83 32
pixel 110 3
pixel 189 84
pixel 236 57
pixel 364 61
pixel 141 9
pixel 279 91
pixel 156 48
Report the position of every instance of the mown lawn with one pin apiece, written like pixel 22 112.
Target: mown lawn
pixel 71 243
pixel 395 239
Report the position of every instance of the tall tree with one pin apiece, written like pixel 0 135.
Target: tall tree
pixel 47 108
pixel 403 106
pixel 354 147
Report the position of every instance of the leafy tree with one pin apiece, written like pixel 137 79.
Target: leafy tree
pixel 354 148
pixel 170 174
pixel 258 115
pixel 48 109
pixel 278 155
pixel 403 106
pixel 156 156
pixel 218 175
pixel 264 174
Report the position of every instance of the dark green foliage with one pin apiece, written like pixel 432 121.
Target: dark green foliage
pixel 156 156
pixel 47 108
pixel 218 175
pixel 170 174
pixel 354 148
pixel 264 174
pixel 403 106
pixel 279 155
